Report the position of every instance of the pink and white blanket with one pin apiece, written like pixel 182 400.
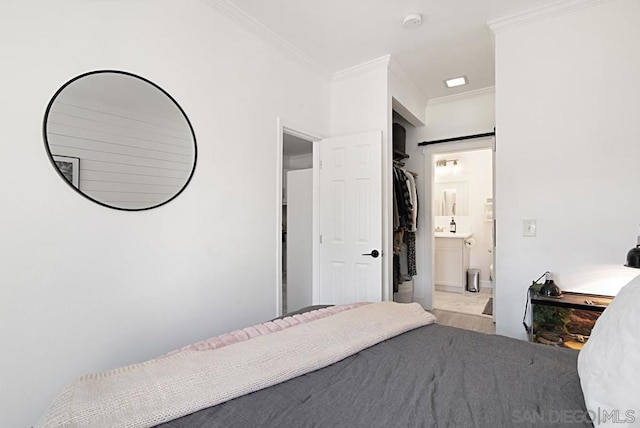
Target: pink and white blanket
pixel 268 327
pixel 163 389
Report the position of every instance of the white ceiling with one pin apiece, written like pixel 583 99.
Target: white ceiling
pixel 452 41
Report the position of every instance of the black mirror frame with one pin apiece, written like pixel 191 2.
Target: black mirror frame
pixel 50 155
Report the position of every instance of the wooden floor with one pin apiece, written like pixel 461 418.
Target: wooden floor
pixel 479 323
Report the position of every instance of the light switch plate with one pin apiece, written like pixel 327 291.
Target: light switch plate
pixel 529 228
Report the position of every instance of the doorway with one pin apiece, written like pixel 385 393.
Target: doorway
pixel 296 197
pixel 462 199
pixel 297 226
pixel 352 195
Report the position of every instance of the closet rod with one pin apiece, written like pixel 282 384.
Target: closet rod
pixel 464 137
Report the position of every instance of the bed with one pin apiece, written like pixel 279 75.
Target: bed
pixel 433 376
pixel 427 376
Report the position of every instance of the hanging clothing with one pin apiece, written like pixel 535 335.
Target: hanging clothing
pixel 414 201
pixel 399 187
pixel 398 239
pixel 396 217
pixel 410 240
pixel 397 277
pixel 406 197
pixel 405 222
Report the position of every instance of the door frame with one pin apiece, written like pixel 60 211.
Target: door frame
pixel 283 126
pixel 429 170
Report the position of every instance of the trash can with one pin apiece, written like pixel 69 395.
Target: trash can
pixel 473 280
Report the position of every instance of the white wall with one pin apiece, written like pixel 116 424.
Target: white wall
pixel 360 102
pixel 407 99
pixel 567 103
pixel 290 163
pixel 299 238
pixel 359 98
pixel 465 114
pixel 86 288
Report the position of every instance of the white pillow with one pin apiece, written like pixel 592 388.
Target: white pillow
pixel 609 363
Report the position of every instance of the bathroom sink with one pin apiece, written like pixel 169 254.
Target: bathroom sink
pixel 459 235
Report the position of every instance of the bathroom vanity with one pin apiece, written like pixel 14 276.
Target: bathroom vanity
pixel 451 261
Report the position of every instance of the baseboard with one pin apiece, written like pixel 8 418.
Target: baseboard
pixel 450 288
pixel 484 283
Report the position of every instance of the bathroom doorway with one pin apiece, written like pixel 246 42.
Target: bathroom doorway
pixel 463 229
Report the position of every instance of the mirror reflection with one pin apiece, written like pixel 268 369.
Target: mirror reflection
pixel 120 140
pixel 451 198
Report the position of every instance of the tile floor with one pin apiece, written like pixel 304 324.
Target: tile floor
pixel 466 303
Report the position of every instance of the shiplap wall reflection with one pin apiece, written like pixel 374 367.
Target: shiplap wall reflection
pixel 128 159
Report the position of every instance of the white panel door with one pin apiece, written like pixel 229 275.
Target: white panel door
pixel 350 219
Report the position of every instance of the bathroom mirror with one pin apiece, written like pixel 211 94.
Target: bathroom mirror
pixel 119 140
pixel 451 198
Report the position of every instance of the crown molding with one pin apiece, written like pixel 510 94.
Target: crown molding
pixel 463 95
pixel 401 74
pixel 249 23
pixel 364 68
pixel 541 13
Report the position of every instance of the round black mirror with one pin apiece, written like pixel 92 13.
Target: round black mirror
pixel 120 140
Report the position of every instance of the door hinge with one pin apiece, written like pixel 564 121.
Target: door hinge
pixel 321 239
pixel 320 164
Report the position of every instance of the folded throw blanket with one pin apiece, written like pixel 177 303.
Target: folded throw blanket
pixel 268 327
pixel 160 390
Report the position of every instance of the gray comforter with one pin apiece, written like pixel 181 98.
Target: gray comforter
pixel 434 376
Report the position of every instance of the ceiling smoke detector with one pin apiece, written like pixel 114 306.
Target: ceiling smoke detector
pixel 412 20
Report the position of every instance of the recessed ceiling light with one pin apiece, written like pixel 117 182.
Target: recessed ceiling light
pixel 412 20
pixel 456 81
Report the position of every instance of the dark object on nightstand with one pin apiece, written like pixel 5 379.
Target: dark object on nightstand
pixel 633 257
pixel 549 288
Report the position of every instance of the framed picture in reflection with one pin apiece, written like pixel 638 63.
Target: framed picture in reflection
pixel 69 168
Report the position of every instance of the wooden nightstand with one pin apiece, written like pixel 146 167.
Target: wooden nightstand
pixel 566 321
